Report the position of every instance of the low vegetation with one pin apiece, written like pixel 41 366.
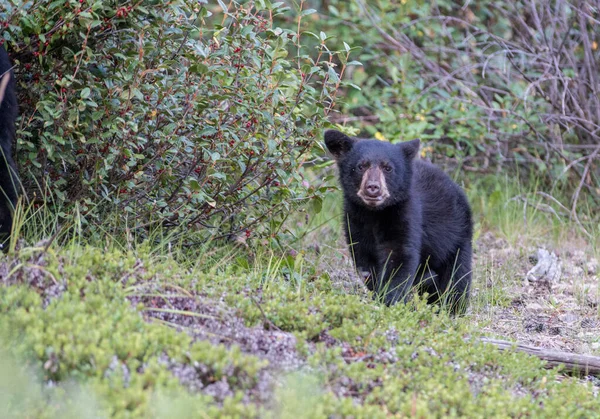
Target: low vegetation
pixel 144 332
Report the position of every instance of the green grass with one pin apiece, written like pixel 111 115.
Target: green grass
pixel 524 213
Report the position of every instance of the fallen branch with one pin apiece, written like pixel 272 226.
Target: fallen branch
pixel 272 325
pixel 573 363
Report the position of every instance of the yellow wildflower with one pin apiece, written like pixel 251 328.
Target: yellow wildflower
pixel 379 136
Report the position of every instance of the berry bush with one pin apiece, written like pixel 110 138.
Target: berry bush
pixel 179 114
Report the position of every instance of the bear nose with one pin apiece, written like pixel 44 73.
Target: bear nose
pixel 373 189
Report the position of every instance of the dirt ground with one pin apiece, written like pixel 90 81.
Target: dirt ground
pixel 557 310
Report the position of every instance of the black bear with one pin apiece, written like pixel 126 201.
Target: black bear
pixel 9 182
pixel 407 223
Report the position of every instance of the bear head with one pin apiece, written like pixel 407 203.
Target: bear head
pixel 374 174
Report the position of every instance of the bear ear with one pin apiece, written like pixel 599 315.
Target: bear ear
pixel 338 143
pixel 411 148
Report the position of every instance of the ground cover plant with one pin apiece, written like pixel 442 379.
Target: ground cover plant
pixel 141 335
pixel 141 282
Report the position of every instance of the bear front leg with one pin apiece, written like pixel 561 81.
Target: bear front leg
pixel 398 276
pixel 364 259
pixel 454 281
pixel 365 264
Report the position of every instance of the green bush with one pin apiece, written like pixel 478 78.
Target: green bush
pixel 177 113
pixel 479 83
pixel 409 49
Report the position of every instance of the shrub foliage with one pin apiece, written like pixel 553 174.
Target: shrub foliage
pixel 179 113
pixel 492 84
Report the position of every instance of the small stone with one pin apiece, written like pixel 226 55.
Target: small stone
pixel 533 326
pixel 534 307
pixel 591 267
pixel 589 323
pixel 569 318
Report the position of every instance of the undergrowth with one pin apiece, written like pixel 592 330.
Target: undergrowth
pixel 118 329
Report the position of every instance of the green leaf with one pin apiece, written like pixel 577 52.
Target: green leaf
pixel 199 68
pixel 316 205
pixel 194 185
pixel 333 76
pixel 308 12
pixel 223 6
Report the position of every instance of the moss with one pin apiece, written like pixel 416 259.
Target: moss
pixel 91 334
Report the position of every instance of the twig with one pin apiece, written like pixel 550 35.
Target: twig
pixel 341 119
pixel 574 364
pixel 265 318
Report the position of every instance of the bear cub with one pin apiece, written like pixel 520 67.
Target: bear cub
pixel 9 181
pixel 406 222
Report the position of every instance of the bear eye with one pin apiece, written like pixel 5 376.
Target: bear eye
pixel 387 168
pixel 362 166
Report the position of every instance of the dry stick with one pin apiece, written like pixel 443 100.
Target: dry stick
pixel 539 206
pixel 341 119
pixel 265 318
pixel 573 363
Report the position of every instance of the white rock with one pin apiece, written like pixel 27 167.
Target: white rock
pixel 548 267
pixel 534 307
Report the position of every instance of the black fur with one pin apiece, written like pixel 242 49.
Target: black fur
pixel 9 182
pixel 420 235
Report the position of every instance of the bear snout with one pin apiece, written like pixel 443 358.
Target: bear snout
pixel 373 187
